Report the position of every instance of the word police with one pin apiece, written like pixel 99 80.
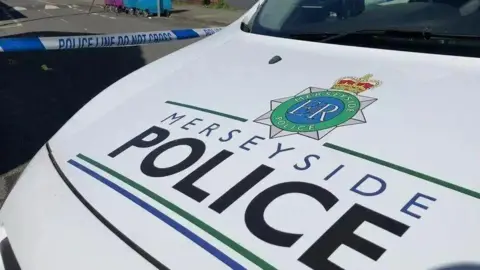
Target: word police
pixel 317 255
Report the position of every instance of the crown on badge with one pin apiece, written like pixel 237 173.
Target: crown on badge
pixel 356 85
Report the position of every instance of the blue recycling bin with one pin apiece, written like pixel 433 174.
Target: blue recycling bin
pixel 150 7
pixel 166 7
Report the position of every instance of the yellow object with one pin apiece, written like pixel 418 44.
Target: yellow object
pixel 356 85
pixel 45 68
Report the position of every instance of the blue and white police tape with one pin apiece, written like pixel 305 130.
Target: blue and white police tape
pixel 100 41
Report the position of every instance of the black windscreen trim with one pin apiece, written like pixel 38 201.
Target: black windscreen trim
pixel 8 257
pixel 102 219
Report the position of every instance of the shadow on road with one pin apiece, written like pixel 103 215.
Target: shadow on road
pixel 40 91
pixel 8 13
pixel 236 4
pixel 177 11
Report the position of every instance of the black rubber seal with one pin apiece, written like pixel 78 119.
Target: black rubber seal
pixel 8 257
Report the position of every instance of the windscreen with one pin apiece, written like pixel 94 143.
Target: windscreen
pixel 284 18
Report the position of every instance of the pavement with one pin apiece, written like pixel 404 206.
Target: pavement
pixel 209 15
pixel 40 91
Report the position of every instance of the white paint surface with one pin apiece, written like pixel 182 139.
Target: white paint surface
pixel 423 119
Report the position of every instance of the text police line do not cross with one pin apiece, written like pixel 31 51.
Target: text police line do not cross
pixel 125 39
pixel 113 40
pixel 316 256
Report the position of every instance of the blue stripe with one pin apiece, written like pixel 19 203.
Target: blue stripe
pixel 170 222
pixel 21 44
pixel 185 34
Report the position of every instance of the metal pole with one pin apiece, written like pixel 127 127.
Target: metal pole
pixel 91 6
pixel 158 8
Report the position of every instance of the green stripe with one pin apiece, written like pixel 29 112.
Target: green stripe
pixel 207 111
pixel 200 224
pixel 405 170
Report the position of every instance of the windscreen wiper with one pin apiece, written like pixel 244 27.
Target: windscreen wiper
pixel 393 33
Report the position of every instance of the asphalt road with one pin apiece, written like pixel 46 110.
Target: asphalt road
pixel 241 4
pixel 40 91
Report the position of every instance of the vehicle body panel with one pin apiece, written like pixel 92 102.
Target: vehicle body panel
pixel 409 156
pixel 49 228
pixel 399 121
